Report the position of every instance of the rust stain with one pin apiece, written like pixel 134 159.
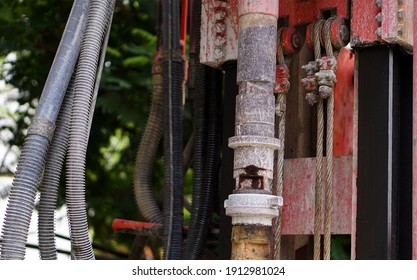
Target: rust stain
pixel 250 242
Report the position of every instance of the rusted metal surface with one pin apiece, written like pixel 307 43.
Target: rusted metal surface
pixel 219 32
pixel 250 242
pixel 397 22
pixel 291 40
pixel 304 12
pixel 298 209
pixel 386 21
pixel 364 23
pixel 219 26
pixel 252 205
pixel 343 104
pixel 414 213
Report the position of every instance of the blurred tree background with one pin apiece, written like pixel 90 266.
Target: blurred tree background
pixel 32 30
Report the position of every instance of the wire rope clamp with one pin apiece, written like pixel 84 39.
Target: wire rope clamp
pixel 326 77
pixel 253 208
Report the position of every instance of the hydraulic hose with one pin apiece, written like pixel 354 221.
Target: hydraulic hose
pixel 152 136
pixel 31 163
pixel 51 178
pixel 197 92
pixel 146 155
pixel 173 75
pixel 97 22
pixel 211 164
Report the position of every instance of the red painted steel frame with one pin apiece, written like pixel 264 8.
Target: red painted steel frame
pixel 302 12
pixel 299 182
pixel 414 249
pixel 343 104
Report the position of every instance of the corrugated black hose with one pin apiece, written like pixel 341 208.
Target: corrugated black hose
pixel 211 163
pixel 32 159
pixel 173 76
pixel 51 178
pixel 97 24
pixel 197 92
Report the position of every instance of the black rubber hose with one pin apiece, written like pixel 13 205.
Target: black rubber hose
pixel 211 162
pixel 97 22
pixel 197 92
pixel 32 159
pixel 173 76
pixel 51 179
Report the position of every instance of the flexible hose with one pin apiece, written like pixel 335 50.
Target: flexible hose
pixel 142 181
pixel 197 91
pixel 31 163
pixel 146 155
pixel 51 178
pixel 211 163
pixel 173 75
pixel 97 22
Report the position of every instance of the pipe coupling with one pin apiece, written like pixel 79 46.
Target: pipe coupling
pixel 251 209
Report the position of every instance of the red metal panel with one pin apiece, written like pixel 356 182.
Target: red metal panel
pixel 304 12
pixel 364 24
pixel 390 21
pixel 343 104
pixel 397 23
pixel 298 209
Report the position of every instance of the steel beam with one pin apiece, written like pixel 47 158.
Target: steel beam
pixel 384 154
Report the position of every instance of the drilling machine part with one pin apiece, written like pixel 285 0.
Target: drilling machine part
pixel 254 144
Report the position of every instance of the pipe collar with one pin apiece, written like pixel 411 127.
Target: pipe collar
pixel 253 208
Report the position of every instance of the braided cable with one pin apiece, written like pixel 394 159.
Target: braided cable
pixel 319 151
pixel 329 152
pixel 281 105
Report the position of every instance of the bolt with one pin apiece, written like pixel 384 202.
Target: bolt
pixel 401 13
pixel 344 33
pixel 379 17
pixel 220 27
pixel 379 32
pixel 400 29
pixel 220 14
pixel 295 41
pixel 218 53
pixel 378 3
pixel 220 40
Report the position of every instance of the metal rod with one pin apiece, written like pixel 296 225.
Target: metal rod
pixel 252 205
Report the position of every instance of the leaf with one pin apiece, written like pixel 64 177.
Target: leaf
pixel 136 61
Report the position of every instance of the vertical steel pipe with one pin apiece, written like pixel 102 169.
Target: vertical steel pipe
pixel 414 215
pixel 252 205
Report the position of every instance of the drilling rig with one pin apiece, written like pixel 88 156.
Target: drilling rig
pixel 304 131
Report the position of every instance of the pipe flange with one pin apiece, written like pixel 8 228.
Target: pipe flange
pixel 253 208
pixel 254 141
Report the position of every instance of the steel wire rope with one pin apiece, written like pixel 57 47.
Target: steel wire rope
pixel 281 101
